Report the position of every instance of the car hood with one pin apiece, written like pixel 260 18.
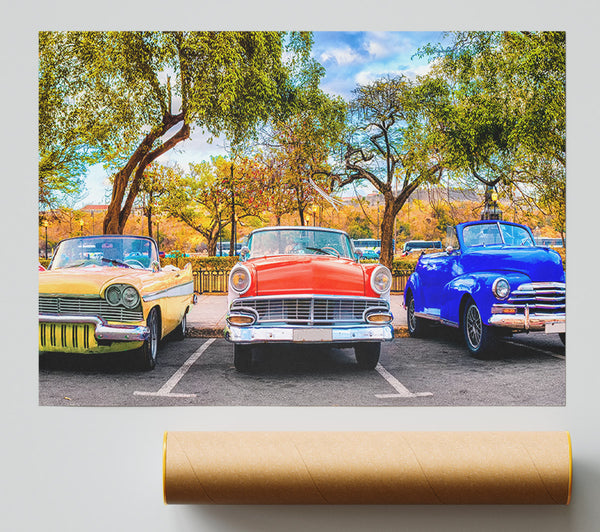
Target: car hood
pixel 307 275
pixel 539 264
pixel 89 280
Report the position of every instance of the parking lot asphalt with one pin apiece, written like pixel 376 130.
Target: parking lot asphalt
pixel 207 317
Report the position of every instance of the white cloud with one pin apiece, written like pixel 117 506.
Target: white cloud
pixel 342 56
pixel 376 49
pixel 365 77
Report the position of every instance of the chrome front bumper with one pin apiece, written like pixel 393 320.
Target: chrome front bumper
pixel 550 323
pixel 103 330
pixel 257 334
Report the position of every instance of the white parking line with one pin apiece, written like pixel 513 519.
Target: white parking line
pixel 550 353
pixel 397 385
pixel 165 391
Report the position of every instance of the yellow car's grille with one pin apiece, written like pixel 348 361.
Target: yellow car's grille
pixel 90 306
pixel 66 335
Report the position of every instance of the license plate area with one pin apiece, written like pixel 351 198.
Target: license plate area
pixel 312 335
pixel 556 327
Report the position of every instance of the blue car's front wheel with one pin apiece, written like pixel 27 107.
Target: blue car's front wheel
pixel 416 326
pixel 478 336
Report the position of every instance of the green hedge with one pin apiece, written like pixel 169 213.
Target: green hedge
pixel 201 263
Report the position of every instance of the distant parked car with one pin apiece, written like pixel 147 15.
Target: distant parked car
pixel 176 254
pixel 370 254
pixel 496 281
pixel 226 248
pixel 420 245
pixel 303 285
pixel 104 294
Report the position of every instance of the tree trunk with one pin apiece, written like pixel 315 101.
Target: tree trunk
pixel 117 213
pixel 212 240
pixel 387 233
pixel 149 212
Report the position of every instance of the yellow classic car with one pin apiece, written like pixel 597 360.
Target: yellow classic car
pixel 103 294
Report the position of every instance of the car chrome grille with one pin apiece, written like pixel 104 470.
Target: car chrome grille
pixel 79 306
pixel 542 298
pixel 309 309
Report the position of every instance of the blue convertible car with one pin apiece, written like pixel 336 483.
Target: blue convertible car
pixel 491 280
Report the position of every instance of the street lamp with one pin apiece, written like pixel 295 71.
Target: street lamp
pixel 314 215
pixel 81 227
pixel 45 224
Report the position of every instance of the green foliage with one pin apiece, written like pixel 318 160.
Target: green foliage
pixel 503 107
pixel 392 145
pixel 359 227
pixel 122 87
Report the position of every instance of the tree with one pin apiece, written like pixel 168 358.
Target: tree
pixel 299 148
pixel 145 91
pixel 202 198
pixel 391 146
pixel 503 121
pixel 63 132
pixel 153 186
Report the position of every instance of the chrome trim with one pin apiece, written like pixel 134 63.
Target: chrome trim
pixel 351 334
pixel 183 289
pixel 374 311
pixel 240 267
pixel 495 285
pixel 88 306
pixel 531 322
pixel 433 317
pixel 103 331
pixel 310 309
pixel 376 270
pixel 243 311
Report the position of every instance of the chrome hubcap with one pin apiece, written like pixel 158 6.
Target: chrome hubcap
pixel 153 336
pixel 474 326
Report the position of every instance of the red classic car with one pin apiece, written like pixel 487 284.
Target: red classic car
pixel 305 285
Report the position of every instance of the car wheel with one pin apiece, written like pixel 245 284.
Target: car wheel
pixel 416 326
pixel 478 336
pixel 367 355
pixel 563 338
pixel 242 358
pixel 179 331
pixel 149 350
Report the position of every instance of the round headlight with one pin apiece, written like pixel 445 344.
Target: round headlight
pixel 501 288
pixel 130 297
pixel 381 279
pixel 239 278
pixel 113 295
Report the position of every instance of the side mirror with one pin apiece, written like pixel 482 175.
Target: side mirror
pixel 358 254
pixel 244 253
pixel 155 266
pixel 449 250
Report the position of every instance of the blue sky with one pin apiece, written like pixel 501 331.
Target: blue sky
pixel 349 58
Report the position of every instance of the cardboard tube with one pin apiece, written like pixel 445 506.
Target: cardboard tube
pixel 367 467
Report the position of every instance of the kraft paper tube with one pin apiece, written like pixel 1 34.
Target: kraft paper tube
pixel 367 467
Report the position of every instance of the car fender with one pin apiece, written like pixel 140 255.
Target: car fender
pixel 414 285
pixel 478 287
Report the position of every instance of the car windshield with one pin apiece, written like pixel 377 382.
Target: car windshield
pixel 496 234
pixel 299 242
pixel 118 251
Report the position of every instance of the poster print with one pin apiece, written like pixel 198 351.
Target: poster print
pixel 258 218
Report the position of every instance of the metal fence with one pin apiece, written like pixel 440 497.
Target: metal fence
pixel 216 281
